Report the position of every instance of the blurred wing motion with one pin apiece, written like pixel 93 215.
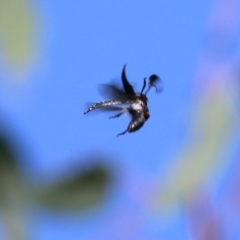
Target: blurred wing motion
pixel 119 96
pixel 112 91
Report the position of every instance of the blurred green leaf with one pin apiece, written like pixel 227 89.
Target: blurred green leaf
pixel 11 182
pixel 212 125
pixel 8 156
pixel 83 190
pixel 17 33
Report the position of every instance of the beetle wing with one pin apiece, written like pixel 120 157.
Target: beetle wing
pixel 126 85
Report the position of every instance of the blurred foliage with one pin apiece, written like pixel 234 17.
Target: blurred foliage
pixel 212 125
pixel 7 155
pixel 13 191
pixel 10 178
pixel 81 191
pixel 17 32
pixel 85 187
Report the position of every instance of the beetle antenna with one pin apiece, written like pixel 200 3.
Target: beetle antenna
pixel 153 79
pixel 144 85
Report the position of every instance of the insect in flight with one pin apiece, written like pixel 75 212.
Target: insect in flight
pixel 136 103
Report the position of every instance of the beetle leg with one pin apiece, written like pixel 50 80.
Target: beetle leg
pixel 122 133
pixel 117 115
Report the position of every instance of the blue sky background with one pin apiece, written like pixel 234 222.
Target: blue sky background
pixel 80 45
pixel 91 43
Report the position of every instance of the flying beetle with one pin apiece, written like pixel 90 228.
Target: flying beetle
pixel 136 102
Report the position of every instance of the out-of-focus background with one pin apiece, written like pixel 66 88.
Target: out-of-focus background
pixel 65 175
